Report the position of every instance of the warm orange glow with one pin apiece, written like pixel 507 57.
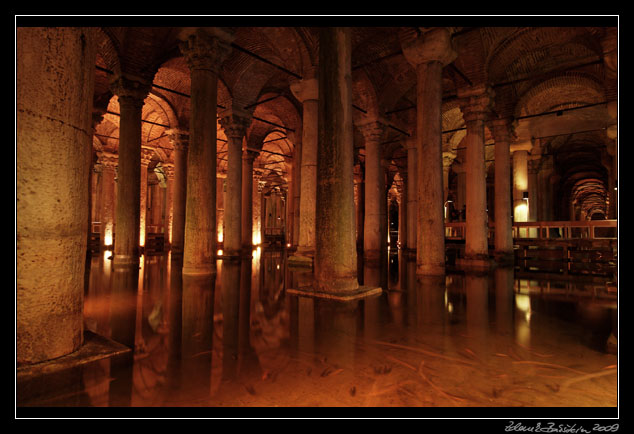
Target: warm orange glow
pixel 220 236
pixel 107 238
pixel 521 211
pixel 256 238
pixel 219 252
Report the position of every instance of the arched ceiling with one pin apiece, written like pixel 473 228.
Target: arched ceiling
pixel 532 70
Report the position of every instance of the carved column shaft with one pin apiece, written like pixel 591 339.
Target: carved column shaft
pixel 374 227
pixel 247 200
pixel 428 52
pixel 128 211
pixel 235 125
pixel 180 141
pixel 204 54
pixel 307 91
pixel 476 107
pixel 335 268
pixel 503 225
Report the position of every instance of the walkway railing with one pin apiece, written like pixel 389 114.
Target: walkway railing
pixel 546 230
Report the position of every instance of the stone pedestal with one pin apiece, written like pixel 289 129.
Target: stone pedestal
pixel 503 253
pixel 428 52
pixel 53 140
pixel 131 94
pixel 204 52
pixel 475 103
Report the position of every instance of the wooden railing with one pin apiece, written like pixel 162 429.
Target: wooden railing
pixel 553 230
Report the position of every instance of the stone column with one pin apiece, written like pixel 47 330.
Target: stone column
pixel 131 94
pixel 247 200
pixel 447 161
pixel 501 130
pixel 307 92
pixel 235 124
pixel 520 183
pixel 533 191
pixel 412 197
pixel 375 215
pixel 169 203
pixel 180 141
pixel 109 163
pixel 402 213
pixel 146 157
pixel 297 182
pixel 204 52
pixel 428 52
pixel 476 102
pixel 335 267
pixel 54 90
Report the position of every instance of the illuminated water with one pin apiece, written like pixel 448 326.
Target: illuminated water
pixel 239 340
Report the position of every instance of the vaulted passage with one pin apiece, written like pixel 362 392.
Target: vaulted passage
pixel 317 216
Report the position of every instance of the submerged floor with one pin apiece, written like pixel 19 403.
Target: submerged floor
pixel 239 340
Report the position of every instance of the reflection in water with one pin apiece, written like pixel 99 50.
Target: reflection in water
pixel 237 339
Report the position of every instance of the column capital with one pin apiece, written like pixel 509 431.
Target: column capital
pixel 306 89
pixel 146 155
pixel 205 49
pixel 476 102
pixel 107 159
pixel 526 145
pixel 250 154
pixel 235 122
pixel 447 158
pixel 502 129
pixel 372 129
pixel 130 90
pixel 433 45
pixel 169 170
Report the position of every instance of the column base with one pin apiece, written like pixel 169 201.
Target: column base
pixel 476 263
pixel 125 260
pixel 430 270
pixel 504 259
pixel 298 260
pixel 197 271
pixel 360 292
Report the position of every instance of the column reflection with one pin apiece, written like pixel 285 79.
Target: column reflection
pixel 174 322
pixel 123 312
pixel 504 300
pixel 197 334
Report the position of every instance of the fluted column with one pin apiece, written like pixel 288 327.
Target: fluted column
pixel 307 92
pixel 475 103
pixel 235 124
pixel 180 141
pixel 375 216
pixel 501 130
pixel 54 90
pixel 247 200
pixel 204 52
pixel 428 52
pixel 131 94
pixel 109 163
pixel 335 265
pixel 146 157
